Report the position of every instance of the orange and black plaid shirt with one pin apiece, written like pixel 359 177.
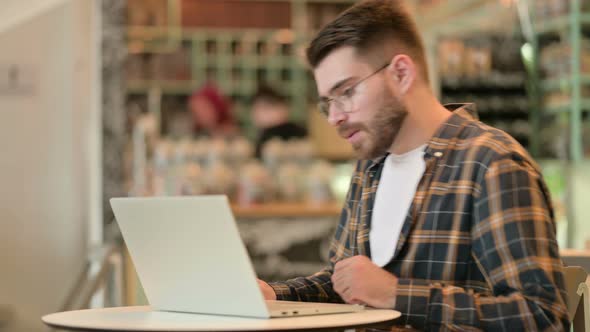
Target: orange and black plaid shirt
pixel 477 249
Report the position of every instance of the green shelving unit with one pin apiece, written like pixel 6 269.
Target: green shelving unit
pixel 237 60
pixel 562 83
pixel 214 57
pixel 561 23
pixel 567 30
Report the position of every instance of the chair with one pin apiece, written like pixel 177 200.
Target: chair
pixel 6 316
pixel 109 277
pixel 577 286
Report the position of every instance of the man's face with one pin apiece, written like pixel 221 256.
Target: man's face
pixel 373 116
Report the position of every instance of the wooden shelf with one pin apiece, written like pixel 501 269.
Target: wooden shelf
pixel 567 106
pixel 494 80
pixel 167 87
pixel 559 23
pixel 287 210
pixel 563 83
pixel 568 252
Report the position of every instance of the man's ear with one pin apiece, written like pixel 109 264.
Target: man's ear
pixel 403 72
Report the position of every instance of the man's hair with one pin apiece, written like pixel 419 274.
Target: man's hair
pixel 373 28
pixel 269 95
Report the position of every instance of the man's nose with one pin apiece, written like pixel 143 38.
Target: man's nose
pixel 335 116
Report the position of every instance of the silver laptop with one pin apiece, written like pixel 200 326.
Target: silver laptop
pixel 190 258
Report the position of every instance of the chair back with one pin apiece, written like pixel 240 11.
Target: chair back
pixel 574 276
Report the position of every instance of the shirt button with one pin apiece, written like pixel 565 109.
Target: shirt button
pixel 438 154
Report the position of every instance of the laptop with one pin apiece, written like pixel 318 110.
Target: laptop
pixel 189 257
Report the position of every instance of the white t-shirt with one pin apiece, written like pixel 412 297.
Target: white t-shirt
pixel 397 187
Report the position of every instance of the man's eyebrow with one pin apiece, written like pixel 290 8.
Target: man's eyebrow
pixel 336 86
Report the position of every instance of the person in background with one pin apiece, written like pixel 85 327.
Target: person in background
pixel 447 220
pixel 270 115
pixel 211 113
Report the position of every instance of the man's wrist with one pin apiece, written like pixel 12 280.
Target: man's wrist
pixel 282 291
pixel 269 292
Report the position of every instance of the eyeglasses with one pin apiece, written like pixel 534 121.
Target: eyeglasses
pixel 343 102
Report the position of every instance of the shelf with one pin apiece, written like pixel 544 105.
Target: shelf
pixel 241 87
pixel 565 107
pixel 493 81
pixel 559 24
pixel 148 33
pixel 432 15
pixel 168 87
pixel 185 89
pixel 268 62
pixel 287 210
pixel 567 252
pixel 562 83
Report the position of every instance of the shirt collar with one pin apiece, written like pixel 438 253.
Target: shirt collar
pixel 439 143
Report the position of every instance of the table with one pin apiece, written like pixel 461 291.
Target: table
pixel 574 257
pixel 142 318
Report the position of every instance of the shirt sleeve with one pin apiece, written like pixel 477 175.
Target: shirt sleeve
pixel 318 287
pixel 514 244
pixel 315 288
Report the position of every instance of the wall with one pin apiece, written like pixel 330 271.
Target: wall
pixel 48 158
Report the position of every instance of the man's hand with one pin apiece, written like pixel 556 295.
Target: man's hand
pixel 359 281
pixel 267 291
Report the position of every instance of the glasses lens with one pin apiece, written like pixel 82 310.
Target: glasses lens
pixel 344 104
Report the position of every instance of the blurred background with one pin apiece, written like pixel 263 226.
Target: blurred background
pixel 111 98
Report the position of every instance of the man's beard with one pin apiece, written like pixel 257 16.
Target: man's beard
pixel 381 131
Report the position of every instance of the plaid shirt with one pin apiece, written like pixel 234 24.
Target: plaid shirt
pixel 477 249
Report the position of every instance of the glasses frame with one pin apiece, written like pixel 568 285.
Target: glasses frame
pixel 345 98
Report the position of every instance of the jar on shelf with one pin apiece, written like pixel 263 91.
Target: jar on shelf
pixel 240 151
pixel 319 182
pixel 254 185
pixel 273 153
pixel 192 180
pixel 290 182
pixel 220 179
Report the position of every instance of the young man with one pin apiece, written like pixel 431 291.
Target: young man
pixel 447 220
pixel 270 114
